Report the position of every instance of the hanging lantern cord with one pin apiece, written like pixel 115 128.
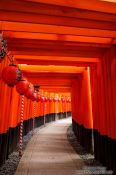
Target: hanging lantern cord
pixel 5 49
pixel 10 57
pixel 4 45
pixel 21 126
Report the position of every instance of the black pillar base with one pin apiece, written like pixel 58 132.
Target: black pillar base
pixel 83 135
pixel 105 150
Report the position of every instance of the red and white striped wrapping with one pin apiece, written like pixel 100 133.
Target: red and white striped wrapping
pixel 34 116
pixel 44 114
pixel 21 126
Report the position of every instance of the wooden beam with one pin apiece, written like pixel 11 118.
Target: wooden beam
pixel 51 68
pixel 62 80
pixel 59 40
pixel 30 44
pixel 61 53
pixel 31 5
pixel 50 81
pixel 95 5
pixel 55 60
pixel 57 47
pixel 62 40
pixel 57 20
pixel 83 4
pixel 63 63
pixel 33 31
pixel 56 89
pixel 44 75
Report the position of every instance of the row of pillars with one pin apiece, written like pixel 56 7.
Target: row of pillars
pixel 94 108
pixel 33 122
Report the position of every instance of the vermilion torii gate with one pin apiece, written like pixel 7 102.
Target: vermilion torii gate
pixel 69 49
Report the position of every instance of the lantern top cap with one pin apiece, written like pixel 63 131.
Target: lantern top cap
pixel 36 87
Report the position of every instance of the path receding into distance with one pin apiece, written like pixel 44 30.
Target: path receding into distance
pixel 50 153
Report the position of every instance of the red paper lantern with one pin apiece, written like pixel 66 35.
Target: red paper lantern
pixel 22 86
pixel 63 100
pixel 46 99
pixel 50 99
pixel 55 99
pixel 11 75
pixel 34 96
pixel 30 91
pixel 59 99
pixel 42 99
pixel 38 98
pixel 67 100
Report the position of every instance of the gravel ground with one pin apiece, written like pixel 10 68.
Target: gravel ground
pixel 11 164
pixel 93 166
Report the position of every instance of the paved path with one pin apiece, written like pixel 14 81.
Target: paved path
pixel 50 153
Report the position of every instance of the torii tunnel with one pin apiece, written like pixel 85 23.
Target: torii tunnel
pixel 65 54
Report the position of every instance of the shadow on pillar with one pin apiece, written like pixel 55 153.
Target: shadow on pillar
pixel 104 147
pixel 83 135
pixel 105 150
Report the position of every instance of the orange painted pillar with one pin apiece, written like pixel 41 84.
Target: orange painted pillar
pixel 82 109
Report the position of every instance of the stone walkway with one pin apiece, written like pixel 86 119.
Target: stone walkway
pixel 50 153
